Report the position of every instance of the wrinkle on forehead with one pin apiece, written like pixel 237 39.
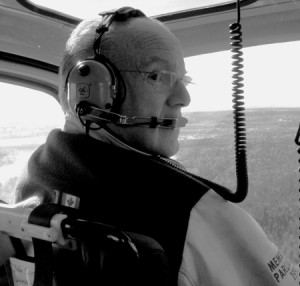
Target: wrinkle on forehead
pixel 147 42
pixel 150 50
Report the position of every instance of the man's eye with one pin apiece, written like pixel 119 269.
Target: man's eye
pixel 154 76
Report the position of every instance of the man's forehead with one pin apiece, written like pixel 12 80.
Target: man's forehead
pixel 143 32
pixel 149 43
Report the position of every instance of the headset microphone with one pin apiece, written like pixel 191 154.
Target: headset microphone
pixel 89 114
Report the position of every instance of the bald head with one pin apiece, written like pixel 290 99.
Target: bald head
pixel 127 46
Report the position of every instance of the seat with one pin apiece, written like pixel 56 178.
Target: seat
pixel 55 245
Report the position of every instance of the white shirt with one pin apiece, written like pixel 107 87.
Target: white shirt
pixel 225 246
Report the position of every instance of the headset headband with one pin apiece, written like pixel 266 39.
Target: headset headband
pixel 120 15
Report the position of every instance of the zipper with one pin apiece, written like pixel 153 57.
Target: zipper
pixel 172 163
pixel 221 190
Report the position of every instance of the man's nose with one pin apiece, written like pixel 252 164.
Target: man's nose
pixel 180 95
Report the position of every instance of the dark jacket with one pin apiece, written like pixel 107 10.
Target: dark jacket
pixel 207 240
pixel 135 192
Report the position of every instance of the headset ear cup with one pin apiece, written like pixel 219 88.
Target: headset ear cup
pixel 117 82
pixel 92 81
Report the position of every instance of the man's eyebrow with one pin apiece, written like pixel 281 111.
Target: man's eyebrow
pixel 155 60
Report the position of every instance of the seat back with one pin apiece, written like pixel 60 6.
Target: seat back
pixel 70 250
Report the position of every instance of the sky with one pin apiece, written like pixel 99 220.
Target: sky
pixel 271 78
pixel 27 106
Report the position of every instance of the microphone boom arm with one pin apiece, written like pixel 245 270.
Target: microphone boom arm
pixel 101 117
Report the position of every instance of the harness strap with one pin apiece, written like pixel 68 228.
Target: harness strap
pixel 42 215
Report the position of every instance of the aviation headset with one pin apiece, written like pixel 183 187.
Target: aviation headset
pixel 94 85
pixel 97 90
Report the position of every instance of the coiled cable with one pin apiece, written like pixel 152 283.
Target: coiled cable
pixel 238 111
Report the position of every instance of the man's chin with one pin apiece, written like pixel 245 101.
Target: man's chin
pixel 169 150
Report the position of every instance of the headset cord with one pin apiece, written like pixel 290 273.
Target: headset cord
pixel 238 111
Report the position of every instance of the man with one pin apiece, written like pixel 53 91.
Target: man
pixel 123 85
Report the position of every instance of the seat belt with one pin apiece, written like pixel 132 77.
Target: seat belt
pixel 43 252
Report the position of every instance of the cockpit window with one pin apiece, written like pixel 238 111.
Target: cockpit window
pixel 270 78
pixel 26 118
